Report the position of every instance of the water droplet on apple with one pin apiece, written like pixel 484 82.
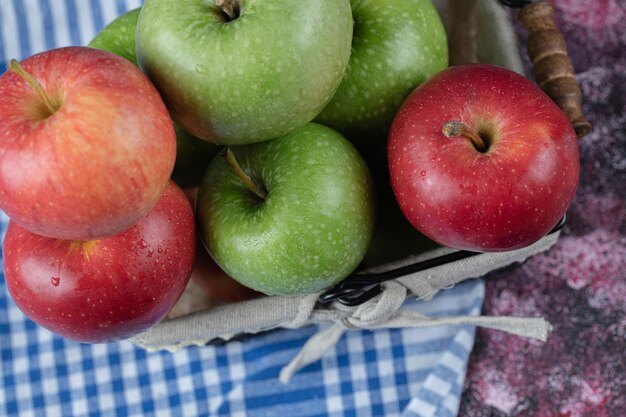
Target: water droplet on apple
pixel 423 173
pixel 200 69
pixel 546 144
pixel 55 281
pixel 143 244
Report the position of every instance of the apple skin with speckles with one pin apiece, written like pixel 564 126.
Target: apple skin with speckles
pixel 268 70
pixel 99 162
pixel 312 229
pixel 396 46
pixel 504 198
pixel 109 289
pixel 207 274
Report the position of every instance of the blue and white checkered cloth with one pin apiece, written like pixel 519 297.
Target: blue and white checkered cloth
pixel 401 372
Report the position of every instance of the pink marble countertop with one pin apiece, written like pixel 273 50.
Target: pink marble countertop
pixel 580 284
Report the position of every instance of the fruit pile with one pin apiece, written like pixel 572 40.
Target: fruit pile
pixel 271 130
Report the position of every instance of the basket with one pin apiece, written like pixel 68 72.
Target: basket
pixel 198 321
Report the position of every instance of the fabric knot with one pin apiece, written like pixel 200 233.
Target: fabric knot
pixel 377 310
pixel 384 311
pixel 370 314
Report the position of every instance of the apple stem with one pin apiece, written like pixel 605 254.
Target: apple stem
pixel 231 8
pixel 228 154
pixel 51 106
pixel 454 128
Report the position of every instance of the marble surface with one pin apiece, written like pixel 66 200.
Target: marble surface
pixel 580 284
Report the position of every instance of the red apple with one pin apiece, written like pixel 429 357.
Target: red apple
pixel 505 195
pixel 108 289
pixel 86 144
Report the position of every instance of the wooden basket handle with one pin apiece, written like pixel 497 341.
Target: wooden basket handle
pixel 552 67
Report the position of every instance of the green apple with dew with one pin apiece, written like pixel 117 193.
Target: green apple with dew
pixel 243 71
pixel 192 154
pixel 304 220
pixel 396 46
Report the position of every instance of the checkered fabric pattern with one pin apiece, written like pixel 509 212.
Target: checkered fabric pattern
pixel 407 372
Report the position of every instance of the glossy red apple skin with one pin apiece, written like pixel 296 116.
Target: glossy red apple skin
pixel 108 289
pixel 502 199
pixel 100 162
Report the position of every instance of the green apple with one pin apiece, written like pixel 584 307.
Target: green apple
pixel 192 154
pixel 309 222
pixel 248 70
pixel 397 45
pixel 119 36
